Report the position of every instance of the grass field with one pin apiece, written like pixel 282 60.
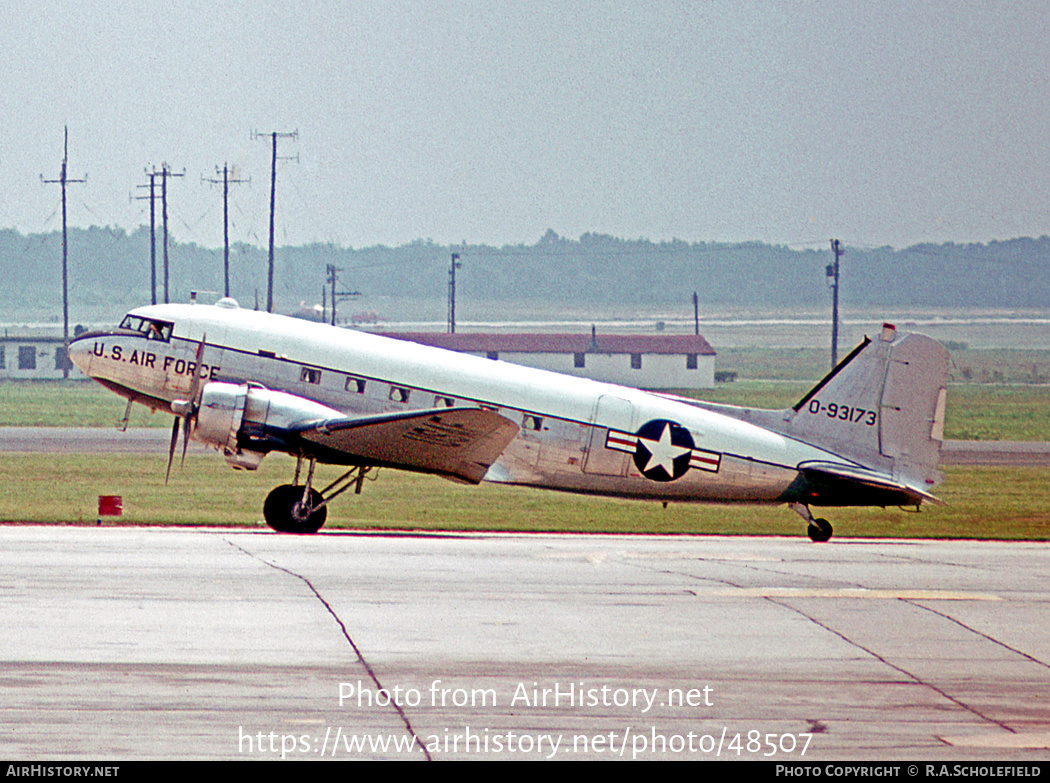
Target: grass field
pixel 66 404
pixel 1001 503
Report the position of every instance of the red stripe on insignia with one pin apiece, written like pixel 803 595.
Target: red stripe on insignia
pixel 621 441
pixel 706 460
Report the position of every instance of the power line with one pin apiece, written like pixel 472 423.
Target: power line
pixel 274 135
pixel 833 281
pixel 164 173
pixel 152 233
pixel 64 180
pixel 452 292
pixel 333 280
pixel 226 182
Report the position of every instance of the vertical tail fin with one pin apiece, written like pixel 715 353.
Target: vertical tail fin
pixel 883 406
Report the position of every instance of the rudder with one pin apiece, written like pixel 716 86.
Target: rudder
pixel 882 406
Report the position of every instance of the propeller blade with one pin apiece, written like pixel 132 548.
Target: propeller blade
pixel 185 437
pixel 191 406
pixel 171 448
pixel 186 410
pixel 195 381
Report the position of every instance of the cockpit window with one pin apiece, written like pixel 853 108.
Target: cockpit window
pixel 151 328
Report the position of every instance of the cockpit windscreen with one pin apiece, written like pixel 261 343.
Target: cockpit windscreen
pixel 150 327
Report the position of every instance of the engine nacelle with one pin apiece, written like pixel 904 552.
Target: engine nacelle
pixel 231 415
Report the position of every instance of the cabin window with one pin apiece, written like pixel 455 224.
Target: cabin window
pixel 444 402
pixel 310 375
pixel 27 357
pixel 530 422
pixel 578 360
pixel 399 394
pixel 690 361
pixel 355 385
pixel 636 361
pixel 492 354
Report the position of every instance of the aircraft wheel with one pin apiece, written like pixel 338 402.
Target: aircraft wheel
pixel 819 530
pixel 281 510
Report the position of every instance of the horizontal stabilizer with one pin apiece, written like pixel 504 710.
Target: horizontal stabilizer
pixel 833 484
pixel 457 443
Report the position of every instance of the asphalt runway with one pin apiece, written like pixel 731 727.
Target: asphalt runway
pixel 218 644
pixel 88 440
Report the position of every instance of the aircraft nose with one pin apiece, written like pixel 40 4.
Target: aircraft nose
pixel 80 351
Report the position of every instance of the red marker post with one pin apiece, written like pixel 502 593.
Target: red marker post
pixel 109 506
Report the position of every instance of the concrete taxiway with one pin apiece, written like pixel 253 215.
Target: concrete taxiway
pixel 220 644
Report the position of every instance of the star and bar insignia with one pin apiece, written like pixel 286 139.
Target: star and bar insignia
pixel 663 450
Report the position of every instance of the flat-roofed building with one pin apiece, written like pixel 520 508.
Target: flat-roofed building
pixel 642 361
pixel 35 357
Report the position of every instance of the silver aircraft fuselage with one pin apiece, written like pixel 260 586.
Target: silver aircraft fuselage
pixel 573 434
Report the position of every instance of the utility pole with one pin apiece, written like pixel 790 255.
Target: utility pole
pixel 696 314
pixel 274 135
pixel 832 272
pixel 64 180
pixel 164 173
pixel 333 280
pixel 226 182
pixel 152 233
pixel 452 292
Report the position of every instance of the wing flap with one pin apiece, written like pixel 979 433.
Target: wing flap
pixel 458 443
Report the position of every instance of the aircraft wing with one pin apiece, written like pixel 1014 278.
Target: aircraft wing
pixel 457 443
pixel 832 484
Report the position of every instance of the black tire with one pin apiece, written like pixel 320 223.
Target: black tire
pixel 279 510
pixel 819 530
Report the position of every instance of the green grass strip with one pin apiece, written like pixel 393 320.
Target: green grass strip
pixel 984 503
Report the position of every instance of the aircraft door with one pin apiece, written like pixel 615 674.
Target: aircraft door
pixel 611 413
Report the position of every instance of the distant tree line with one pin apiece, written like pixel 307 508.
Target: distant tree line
pixel 111 267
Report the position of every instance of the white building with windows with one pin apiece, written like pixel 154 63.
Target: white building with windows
pixel 35 357
pixel 642 361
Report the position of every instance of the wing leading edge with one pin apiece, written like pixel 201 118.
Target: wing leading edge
pixel 457 443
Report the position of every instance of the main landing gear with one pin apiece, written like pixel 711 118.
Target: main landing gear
pixel 293 509
pixel 819 530
pixel 299 508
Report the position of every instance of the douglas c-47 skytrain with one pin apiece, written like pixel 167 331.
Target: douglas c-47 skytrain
pixel 248 383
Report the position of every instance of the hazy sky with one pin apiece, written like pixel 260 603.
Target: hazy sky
pixel 883 122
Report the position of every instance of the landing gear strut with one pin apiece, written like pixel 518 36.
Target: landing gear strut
pixel 819 530
pixel 299 508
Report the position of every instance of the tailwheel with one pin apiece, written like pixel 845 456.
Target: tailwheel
pixel 285 511
pixel 819 530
